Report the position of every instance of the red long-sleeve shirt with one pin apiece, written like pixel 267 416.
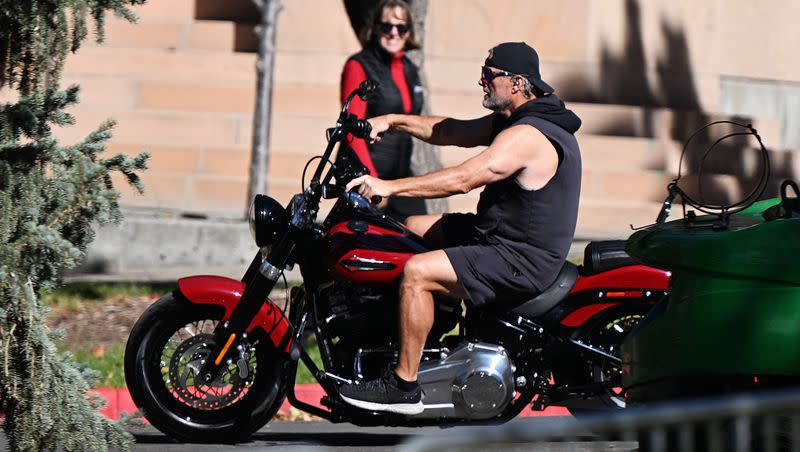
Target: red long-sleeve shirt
pixel 352 76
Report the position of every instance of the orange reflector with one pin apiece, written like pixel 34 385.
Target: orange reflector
pixel 627 294
pixel 224 349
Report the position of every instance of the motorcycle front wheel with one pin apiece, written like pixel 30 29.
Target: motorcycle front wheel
pixel 165 350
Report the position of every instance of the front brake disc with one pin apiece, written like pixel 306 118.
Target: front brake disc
pixel 183 376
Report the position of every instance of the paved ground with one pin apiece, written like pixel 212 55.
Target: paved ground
pixel 323 436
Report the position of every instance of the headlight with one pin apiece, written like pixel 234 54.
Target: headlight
pixel 268 220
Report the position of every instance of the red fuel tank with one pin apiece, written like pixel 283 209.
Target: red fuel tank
pixel 364 253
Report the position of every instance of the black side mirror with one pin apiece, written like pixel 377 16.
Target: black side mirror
pixel 366 88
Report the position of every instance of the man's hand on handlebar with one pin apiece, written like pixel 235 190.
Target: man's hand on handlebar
pixel 372 188
pixel 380 124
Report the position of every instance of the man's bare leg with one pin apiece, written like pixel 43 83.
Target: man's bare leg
pixel 427 226
pixel 423 275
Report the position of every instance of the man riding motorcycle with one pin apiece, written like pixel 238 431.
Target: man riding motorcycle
pixel 515 245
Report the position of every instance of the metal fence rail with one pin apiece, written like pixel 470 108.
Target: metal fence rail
pixel 765 421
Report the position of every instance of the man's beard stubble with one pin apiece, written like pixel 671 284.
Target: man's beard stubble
pixel 492 102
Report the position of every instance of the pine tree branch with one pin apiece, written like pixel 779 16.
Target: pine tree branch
pixel 50 196
pixel 8 347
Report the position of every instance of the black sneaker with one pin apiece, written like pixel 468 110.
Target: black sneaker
pixel 383 394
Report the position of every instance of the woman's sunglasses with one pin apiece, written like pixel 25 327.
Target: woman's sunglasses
pixel 386 28
pixel 487 75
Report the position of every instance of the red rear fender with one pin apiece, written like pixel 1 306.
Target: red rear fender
pixel 630 277
pixel 227 292
pixel 623 284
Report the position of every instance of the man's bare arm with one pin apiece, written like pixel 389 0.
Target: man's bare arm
pixel 509 154
pixel 438 130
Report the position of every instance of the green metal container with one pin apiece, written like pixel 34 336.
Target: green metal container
pixel 733 314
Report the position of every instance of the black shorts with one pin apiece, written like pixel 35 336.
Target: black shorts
pixel 484 274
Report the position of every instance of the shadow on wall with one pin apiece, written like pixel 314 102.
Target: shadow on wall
pixel 671 110
pixel 624 79
pixel 243 13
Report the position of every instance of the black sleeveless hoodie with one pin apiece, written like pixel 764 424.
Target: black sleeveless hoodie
pixel 533 229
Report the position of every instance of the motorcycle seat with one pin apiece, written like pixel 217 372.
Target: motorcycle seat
pixel 551 296
pixel 605 255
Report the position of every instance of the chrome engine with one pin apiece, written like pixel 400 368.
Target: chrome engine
pixel 474 381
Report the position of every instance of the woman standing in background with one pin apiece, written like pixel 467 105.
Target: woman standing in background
pixel 388 35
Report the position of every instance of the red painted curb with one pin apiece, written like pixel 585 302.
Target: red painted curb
pixel 118 401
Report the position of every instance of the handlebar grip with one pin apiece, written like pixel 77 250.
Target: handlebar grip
pixel 374 199
pixel 361 128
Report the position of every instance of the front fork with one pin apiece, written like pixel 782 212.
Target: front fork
pixel 255 292
pixel 301 310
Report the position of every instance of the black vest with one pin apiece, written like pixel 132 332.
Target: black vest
pixel 386 98
pixel 533 229
pixel 392 155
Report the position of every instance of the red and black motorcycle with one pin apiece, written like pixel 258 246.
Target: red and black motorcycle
pixel 214 360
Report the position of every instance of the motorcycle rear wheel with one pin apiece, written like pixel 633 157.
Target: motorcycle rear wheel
pixel 606 331
pixel 161 359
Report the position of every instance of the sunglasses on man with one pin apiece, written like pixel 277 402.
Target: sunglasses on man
pixel 487 75
pixel 386 28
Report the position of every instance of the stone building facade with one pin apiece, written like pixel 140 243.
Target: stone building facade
pixel 641 74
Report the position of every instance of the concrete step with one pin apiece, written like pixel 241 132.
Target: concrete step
pixel 237 97
pixel 168 11
pixel 199 195
pixel 601 152
pixel 231 10
pixel 603 218
pixel 625 185
pixel 663 123
pixel 157 64
pixel 146 34
pixel 325 29
pixel 291 68
pixel 201 96
pixel 302 135
pixel 226 96
pixel 192 97
pixel 161 245
pixel 149 129
pixel 179 35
